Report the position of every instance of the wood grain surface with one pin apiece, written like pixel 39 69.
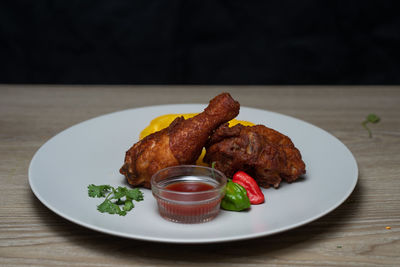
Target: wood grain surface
pixel 354 234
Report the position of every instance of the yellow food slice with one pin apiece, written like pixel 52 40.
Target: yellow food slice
pixel 164 121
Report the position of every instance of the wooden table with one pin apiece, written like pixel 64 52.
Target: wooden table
pixel 354 234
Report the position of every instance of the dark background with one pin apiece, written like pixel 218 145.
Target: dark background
pixel 200 42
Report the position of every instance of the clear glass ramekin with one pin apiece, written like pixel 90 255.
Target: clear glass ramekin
pixel 187 205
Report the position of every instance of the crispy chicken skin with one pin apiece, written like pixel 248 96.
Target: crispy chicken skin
pixel 264 153
pixel 180 143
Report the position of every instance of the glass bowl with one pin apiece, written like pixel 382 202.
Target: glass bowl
pixel 188 193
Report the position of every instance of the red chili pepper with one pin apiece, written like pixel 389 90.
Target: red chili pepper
pixel 254 192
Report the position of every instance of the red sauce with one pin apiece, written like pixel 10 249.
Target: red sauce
pixel 189 187
pixel 190 211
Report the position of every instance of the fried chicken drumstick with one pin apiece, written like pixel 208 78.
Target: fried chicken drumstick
pixel 267 155
pixel 180 143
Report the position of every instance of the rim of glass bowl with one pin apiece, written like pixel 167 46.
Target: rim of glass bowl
pixel 218 188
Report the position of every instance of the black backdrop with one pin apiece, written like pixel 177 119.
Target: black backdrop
pixel 200 42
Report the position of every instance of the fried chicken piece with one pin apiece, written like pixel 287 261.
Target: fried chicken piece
pixel 180 143
pixel 267 155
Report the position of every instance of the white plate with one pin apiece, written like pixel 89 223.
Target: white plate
pixel 92 152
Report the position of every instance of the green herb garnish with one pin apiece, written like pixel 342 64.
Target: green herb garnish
pixel 371 118
pixel 118 200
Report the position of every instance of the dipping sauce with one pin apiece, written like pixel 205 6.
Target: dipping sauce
pixel 188 193
pixel 185 189
pixel 189 187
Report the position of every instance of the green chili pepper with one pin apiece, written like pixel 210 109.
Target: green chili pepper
pixel 236 198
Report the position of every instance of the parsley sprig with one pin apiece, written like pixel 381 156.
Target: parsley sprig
pixel 117 200
pixel 371 118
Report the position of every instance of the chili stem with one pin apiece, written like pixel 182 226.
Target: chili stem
pixel 212 169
